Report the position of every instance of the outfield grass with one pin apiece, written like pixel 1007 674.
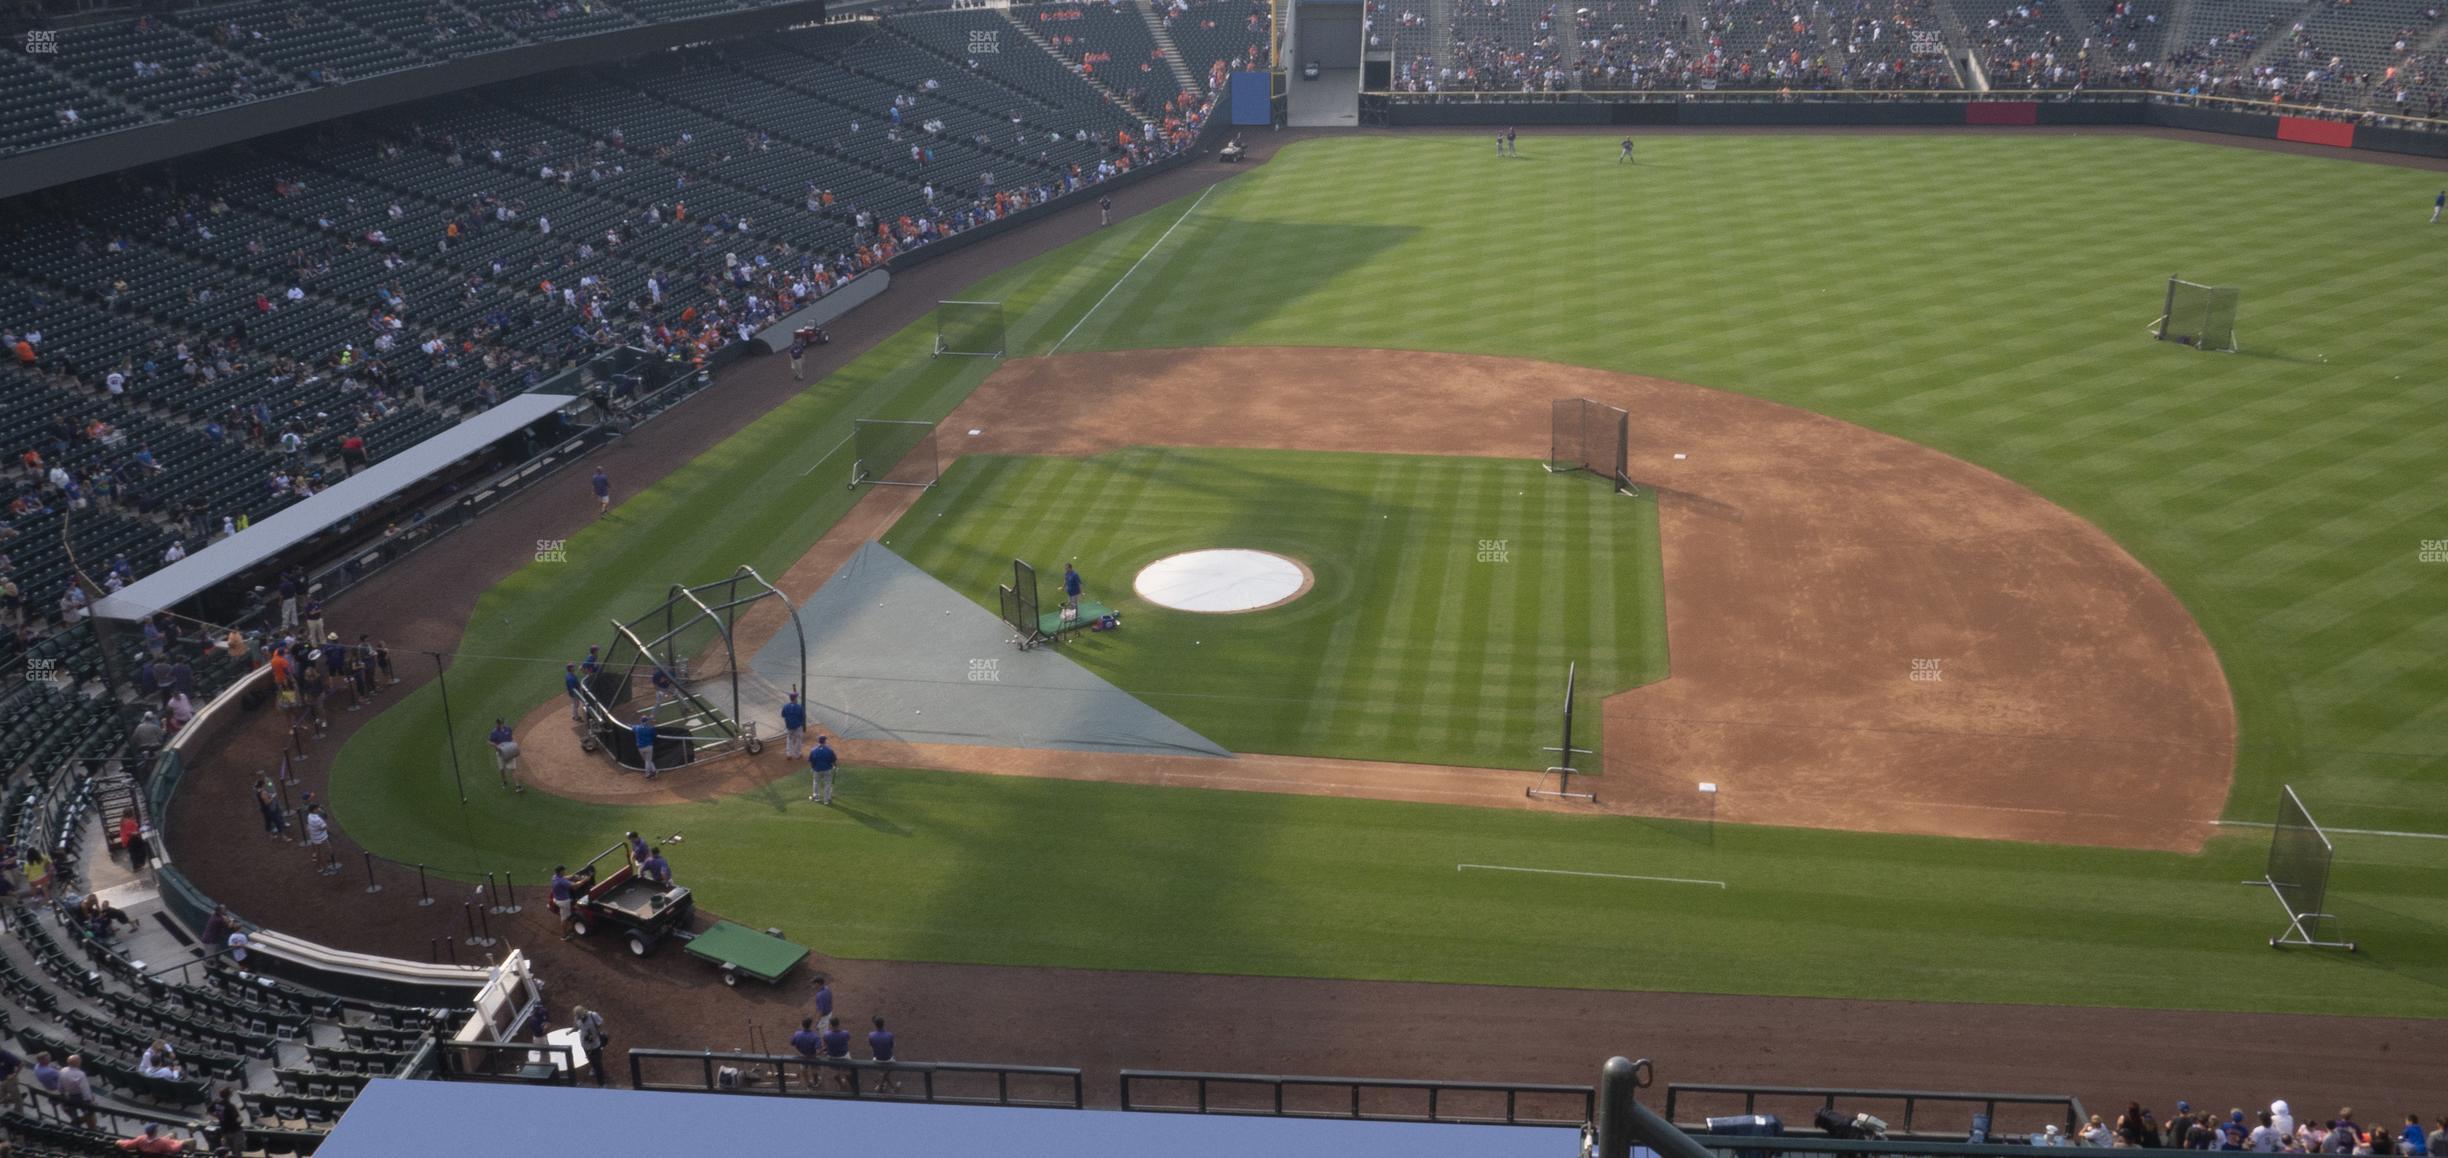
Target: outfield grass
pixel 1450 593
pixel 1982 294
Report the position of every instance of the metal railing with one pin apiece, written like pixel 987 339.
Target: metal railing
pixel 1365 1099
pixel 2060 1110
pixel 771 1075
pixel 530 1062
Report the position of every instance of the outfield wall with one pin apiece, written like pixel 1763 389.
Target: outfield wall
pixel 1406 110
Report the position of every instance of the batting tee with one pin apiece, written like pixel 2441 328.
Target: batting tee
pixel 2298 872
pixel 2201 316
pixel 693 640
pixel 1588 435
pixel 969 329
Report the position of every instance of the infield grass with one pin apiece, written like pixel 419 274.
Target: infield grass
pixel 1983 294
pixel 1450 593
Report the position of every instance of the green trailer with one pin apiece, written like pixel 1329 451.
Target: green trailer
pixel 744 952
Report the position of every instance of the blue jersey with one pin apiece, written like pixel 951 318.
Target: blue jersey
pixel 645 733
pixel 569 682
pixel 794 715
pixel 821 757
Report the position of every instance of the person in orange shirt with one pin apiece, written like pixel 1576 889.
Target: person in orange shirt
pixel 25 352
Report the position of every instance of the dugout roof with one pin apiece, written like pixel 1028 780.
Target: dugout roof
pixel 475 1120
pixel 295 524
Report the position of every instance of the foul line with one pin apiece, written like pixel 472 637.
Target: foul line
pixel 2347 831
pixel 1151 252
pixel 1506 868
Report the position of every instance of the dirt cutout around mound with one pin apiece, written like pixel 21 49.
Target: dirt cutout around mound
pixel 1866 634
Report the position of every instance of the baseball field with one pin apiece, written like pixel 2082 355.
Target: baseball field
pixel 1877 343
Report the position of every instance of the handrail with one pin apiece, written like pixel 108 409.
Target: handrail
pixel 1827 1096
pixel 1513 1113
pixel 771 1075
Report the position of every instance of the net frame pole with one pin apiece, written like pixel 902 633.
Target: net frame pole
pixel 866 467
pixel 1581 438
pixel 1562 770
pixel 2303 920
pixel 1028 631
pixel 944 346
pixel 2200 316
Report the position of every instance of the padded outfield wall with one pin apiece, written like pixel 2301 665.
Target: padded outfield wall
pixel 1406 110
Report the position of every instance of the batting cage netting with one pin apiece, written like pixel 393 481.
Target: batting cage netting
pixel 2298 872
pixel 969 329
pixel 2201 316
pixel 1592 436
pixel 682 664
pixel 893 452
pixel 1019 605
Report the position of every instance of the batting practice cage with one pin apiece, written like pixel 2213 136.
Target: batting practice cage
pixel 681 665
pixel 2298 872
pixel 1592 436
pixel 2202 316
pixel 969 329
pixel 893 452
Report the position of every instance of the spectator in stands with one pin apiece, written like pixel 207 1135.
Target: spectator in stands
pixel 318 842
pixel 46 1072
pixel 268 804
pixel 147 735
pixel 76 1091
pixel 217 926
pixel 159 1061
pixel 38 873
pixel 153 1141
pixel 227 1128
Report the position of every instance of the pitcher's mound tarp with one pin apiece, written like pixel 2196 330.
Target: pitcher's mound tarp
pixel 894 654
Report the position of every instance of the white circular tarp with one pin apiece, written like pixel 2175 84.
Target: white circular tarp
pixel 1221 580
